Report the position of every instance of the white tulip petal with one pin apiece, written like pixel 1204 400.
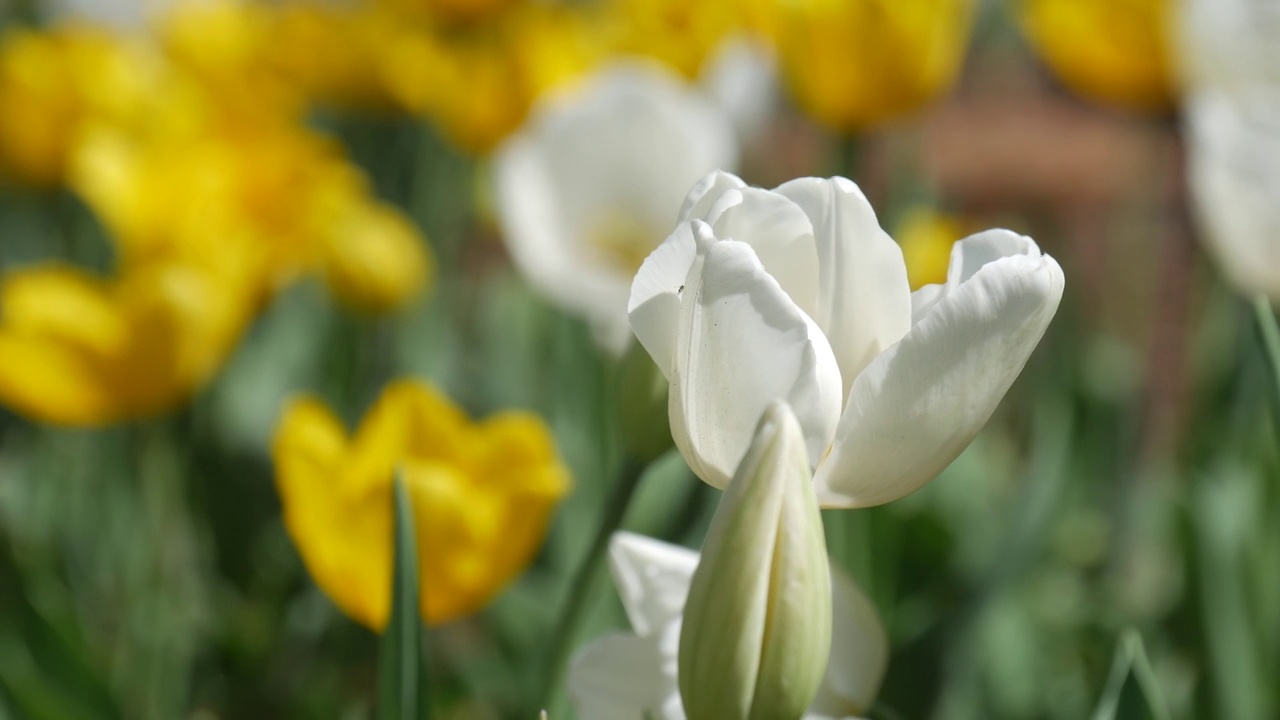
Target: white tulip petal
pixel 972 253
pixel 621 677
pixel 742 77
pixel 589 186
pixel 743 344
pixel 652 578
pixel 654 308
pixel 1235 176
pixel 859 653
pixel 919 404
pixel 923 300
pixel 864 299
pixel 705 192
pixel 780 233
pixel 542 239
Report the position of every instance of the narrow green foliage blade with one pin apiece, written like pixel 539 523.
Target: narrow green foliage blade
pixel 1132 690
pixel 402 686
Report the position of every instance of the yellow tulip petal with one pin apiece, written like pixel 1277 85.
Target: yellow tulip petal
pixel 926 237
pixel 48 381
pixel 62 304
pixel 852 65
pixel 482 496
pixel 375 259
pixel 1112 51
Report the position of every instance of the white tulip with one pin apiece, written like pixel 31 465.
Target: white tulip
pixel 1232 63
pixel 797 294
pixel 742 78
pixel 590 185
pixel 625 676
pixel 1229 44
pixel 1234 170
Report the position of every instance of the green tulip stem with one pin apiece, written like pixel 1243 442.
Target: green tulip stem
pixel 564 639
pixel 1269 333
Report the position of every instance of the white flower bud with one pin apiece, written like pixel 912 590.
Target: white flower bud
pixel 757 622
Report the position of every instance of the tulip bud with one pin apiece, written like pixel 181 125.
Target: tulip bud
pixel 642 406
pixel 757 622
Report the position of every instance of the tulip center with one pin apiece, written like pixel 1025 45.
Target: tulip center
pixel 622 241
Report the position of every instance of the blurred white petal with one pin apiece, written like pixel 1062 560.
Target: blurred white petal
pixel 742 77
pixel 652 578
pixel 592 183
pixel 859 653
pixel 1234 169
pixel 621 677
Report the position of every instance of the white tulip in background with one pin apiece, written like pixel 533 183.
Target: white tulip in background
pixel 622 676
pixel 797 294
pixel 742 78
pixel 1232 62
pixel 1234 171
pixel 590 185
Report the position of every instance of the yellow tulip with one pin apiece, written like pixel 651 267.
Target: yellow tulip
pixel 372 256
pixel 335 55
pixel 679 33
pixel 1113 51
pixel 280 203
pixel 483 494
pixel 926 237
pixel 478 83
pixel 82 350
pixel 49 84
pixel 450 10
pixel 228 48
pixel 852 64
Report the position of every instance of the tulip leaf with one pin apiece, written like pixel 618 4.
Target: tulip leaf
pixel 402 686
pixel 1132 690
pixel 1269 336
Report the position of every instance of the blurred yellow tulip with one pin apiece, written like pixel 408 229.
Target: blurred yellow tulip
pixel 49 84
pixel 478 83
pixel 926 236
pixel 334 55
pixel 372 256
pixel 450 10
pixel 483 494
pixel 88 351
pixel 852 64
pixel 281 201
pixel 679 33
pixel 1112 51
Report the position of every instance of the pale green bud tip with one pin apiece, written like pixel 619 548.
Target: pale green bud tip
pixel 642 405
pixel 757 622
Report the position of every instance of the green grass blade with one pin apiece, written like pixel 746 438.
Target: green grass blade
pixel 402 686
pixel 1132 689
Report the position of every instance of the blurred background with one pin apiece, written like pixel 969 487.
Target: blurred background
pixel 207 208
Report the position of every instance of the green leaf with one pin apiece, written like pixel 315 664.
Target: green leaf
pixel 1132 690
pixel 402 685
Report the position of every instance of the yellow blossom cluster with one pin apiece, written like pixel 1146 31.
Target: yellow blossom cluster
pixel 213 194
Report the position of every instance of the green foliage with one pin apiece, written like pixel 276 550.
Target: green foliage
pixel 402 673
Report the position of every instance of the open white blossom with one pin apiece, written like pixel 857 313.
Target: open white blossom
pixel 797 294
pixel 590 185
pixel 1232 110
pixel 624 676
